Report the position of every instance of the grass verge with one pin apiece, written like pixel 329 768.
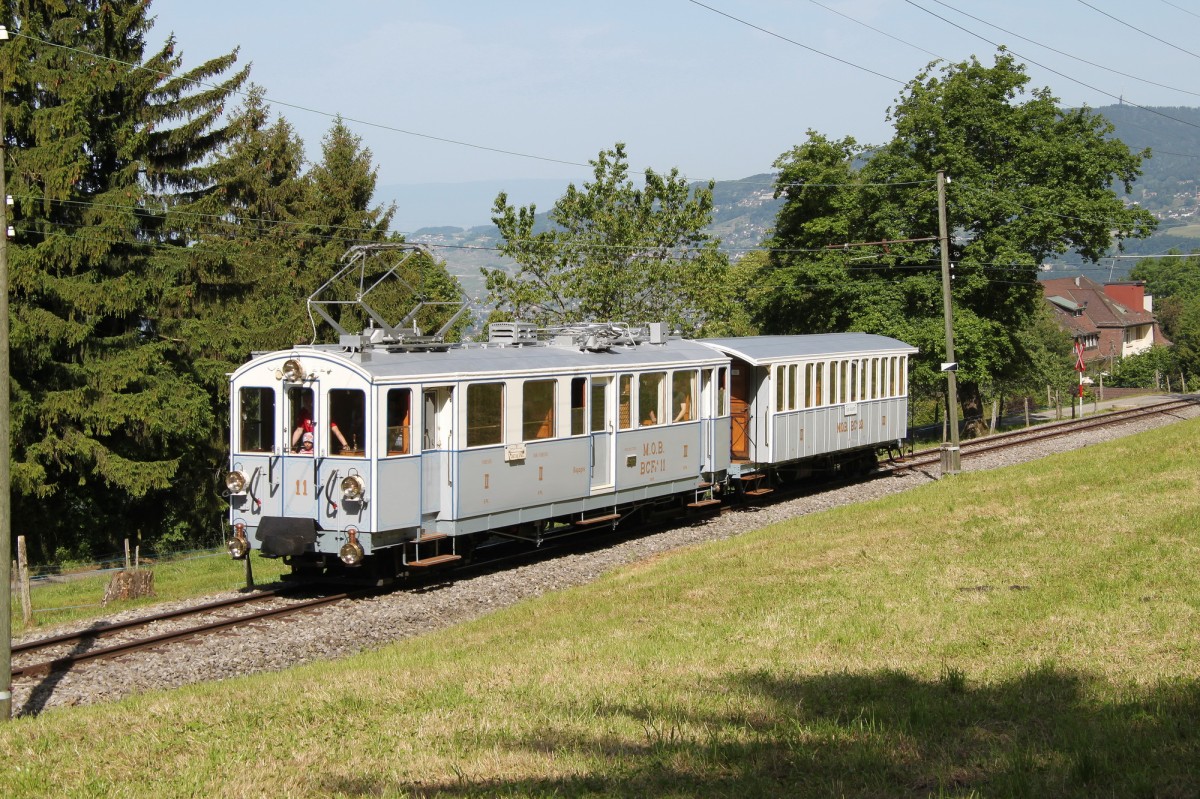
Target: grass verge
pixel 1026 632
pixel 79 597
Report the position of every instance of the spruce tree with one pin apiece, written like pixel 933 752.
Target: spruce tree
pixel 102 136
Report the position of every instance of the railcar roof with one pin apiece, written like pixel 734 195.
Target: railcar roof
pixel 769 349
pixel 480 360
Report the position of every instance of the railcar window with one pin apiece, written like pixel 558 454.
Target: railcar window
pixel 599 409
pixel 537 410
pixel 723 392
pixel 683 396
pixel 578 405
pixel 300 415
pixel 793 376
pixel 485 414
pixel 257 419
pixel 399 421
pixel 650 388
pixel 841 381
pixel 874 378
pixel 902 372
pixel 819 386
pixel 347 417
pixel 780 388
pixel 625 408
pixel 892 376
pixel 854 381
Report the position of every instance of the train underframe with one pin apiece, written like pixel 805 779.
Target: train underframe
pixel 745 482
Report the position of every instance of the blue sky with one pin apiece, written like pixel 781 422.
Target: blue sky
pixel 682 85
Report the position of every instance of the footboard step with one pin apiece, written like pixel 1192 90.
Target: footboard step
pixel 597 519
pixel 436 560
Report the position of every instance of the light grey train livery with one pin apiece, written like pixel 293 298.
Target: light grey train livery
pixel 393 450
pixel 530 435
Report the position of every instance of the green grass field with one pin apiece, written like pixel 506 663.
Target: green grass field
pixel 79 598
pixel 1028 632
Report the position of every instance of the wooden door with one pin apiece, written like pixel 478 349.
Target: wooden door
pixel 739 409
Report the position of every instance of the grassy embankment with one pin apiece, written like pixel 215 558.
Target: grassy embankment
pixel 1027 632
pixel 74 598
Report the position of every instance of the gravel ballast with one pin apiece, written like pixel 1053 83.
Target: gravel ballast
pixel 354 626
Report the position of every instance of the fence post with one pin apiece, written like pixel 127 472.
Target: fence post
pixel 995 410
pixel 1027 411
pixel 126 554
pixel 23 581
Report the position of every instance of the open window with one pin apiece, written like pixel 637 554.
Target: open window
pixel 399 421
pixel 537 410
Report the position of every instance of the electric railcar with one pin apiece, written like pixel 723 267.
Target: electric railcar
pixel 422 449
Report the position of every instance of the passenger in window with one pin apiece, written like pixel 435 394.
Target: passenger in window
pixel 651 419
pixel 306 444
pixel 306 426
pixel 685 408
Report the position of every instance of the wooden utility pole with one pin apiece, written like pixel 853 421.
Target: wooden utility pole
pixel 950 456
pixel 5 440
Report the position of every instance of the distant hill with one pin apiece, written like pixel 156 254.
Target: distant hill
pixel 745 209
pixel 743 212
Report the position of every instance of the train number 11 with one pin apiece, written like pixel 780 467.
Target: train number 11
pixel 302 488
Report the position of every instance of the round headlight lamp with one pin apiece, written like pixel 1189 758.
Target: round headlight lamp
pixel 236 481
pixel 293 370
pixel 238 546
pixel 353 487
pixel 351 552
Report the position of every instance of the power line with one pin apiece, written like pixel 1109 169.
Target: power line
pixel 1139 30
pixel 317 111
pixel 877 30
pixel 796 43
pixel 1068 55
pixel 1047 68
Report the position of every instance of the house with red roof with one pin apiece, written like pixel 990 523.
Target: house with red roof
pixel 1112 320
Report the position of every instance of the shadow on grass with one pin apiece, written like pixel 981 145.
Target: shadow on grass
pixel 878 734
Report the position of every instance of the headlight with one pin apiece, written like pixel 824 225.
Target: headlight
pixel 353 488
pixel 236 481
pixel 293 370
pixel 351 552
pixel 238 546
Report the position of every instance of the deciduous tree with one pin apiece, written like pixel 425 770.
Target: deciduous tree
pixel 1029 180
pixel 614 252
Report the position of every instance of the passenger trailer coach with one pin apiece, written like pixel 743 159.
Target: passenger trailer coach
pixel 421 449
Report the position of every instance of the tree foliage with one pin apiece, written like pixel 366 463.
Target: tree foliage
pixel 100 134
pixel 614 253
pixel 1029 180
pixel 1175 285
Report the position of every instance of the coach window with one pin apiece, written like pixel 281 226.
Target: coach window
pixel 901 372
pixel 625 409
pixel 818 386
pixel 723 391
pixel 854 381
pixel 780 388
pixel 793 378
pixel 347 421
pixel 578 405
pixel 600 386
pixel 257 416
pixel 485 414
pixel 683 396
pixel 399 421
pixel 874 378
pixel 650 388
pixel 537 410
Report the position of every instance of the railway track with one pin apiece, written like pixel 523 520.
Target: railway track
pixel 1043 432
pixel 75 648
pixel 69 650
